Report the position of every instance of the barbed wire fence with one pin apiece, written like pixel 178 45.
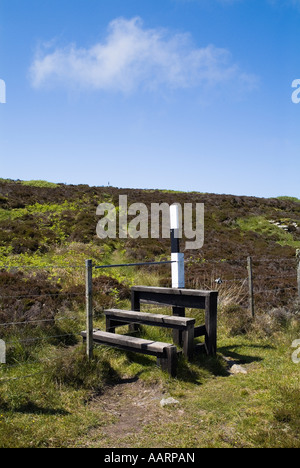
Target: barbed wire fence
pixel 269 281
pixel 250 287
pixel 21 332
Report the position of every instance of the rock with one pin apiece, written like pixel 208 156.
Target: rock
pixel 168 401
pixel 237 369
pixel 234 367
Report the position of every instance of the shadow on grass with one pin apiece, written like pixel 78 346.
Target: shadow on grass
pixel 196 371
pixel 230 351
pixel 200 368
pixel 128 380
pixel 202 365
pixel 32 408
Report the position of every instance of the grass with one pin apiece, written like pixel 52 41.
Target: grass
pixel 52 399
pixel 52 396
pixel 39 183
pixel 38 209
pixel 286 198
pixel 57 405
pixel 262 226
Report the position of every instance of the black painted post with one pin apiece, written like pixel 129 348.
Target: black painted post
pixel 135 306
pixel 211 308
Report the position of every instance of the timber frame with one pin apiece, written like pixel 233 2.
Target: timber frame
pixel 180 299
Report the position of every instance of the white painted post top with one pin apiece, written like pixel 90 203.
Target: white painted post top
pixel 174 217
pixel 178 279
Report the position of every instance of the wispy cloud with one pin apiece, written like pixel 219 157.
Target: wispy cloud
pixel 133 57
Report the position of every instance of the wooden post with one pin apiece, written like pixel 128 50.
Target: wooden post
pixel 188 341
pixel 89 307
pixel 298 270
pixel 211 317
pixel 250 280
pixel 177 334
pixel 135 306
pixel 169 363
pixel 2 352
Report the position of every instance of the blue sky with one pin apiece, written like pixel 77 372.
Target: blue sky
pixel 191 95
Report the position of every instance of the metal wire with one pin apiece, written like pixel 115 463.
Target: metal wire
pixel 41 339
pixel 200 262
pixel 34 267
pixel 25 296
pixel 134 264
pixel 26 322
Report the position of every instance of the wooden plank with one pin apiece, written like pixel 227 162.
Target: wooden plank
pixel 183 298
pixel 173 291
pixel 129 342
pixel 178 297
pixel 164 298
pixel 184 324
pixel 166 353
pixel 200 331
pixel 163 320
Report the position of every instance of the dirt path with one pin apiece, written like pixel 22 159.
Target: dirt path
pixel 128 409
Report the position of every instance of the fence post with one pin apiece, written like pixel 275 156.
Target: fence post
pixel 2 352
pixel 250 280
pixel 298 270
pixel 89 307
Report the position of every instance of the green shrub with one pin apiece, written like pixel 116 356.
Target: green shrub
pixel 286 198
pixel 39 183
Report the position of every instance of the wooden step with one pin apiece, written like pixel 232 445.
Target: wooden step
pixel 166 353
pixel 117 317
pixel 179 299
pixel 170 321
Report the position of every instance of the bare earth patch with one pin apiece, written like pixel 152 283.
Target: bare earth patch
pixel 128 408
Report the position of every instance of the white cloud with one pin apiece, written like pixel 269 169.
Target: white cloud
pixel 133 57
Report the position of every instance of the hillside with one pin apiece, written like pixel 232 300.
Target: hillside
pixel 234 226
pixel 52 396
pixel 42 223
